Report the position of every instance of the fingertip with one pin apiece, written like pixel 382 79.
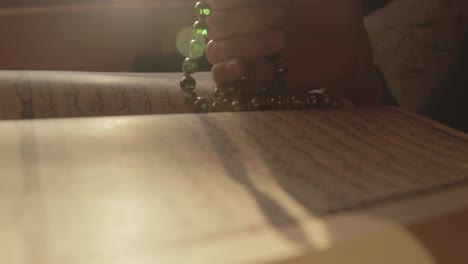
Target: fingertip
pixel 235 68
pixel 228 71
pixel 210 53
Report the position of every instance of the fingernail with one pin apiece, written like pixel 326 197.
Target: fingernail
pixel 233 67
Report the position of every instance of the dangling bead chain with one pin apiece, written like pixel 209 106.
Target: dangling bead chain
pixel 237 96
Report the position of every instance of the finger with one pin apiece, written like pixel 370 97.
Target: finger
pixel 329 61
pixel 226 4
pixel 245 20
pixel 246 47
pixel 325 17
pixel 260 71
pixel 228 71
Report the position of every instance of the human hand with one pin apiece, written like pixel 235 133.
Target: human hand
pixel 323 43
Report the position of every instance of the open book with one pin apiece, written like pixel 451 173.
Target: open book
pixel 42 94
pixel 371 185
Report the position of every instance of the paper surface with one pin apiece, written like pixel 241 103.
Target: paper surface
pixel 52 94
pixel 41 94
pixel 215 188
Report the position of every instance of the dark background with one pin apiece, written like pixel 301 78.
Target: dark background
pixel 97 35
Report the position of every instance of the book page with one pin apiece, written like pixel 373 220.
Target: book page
pixel 49 94
pixel 219 188
pixel 53 94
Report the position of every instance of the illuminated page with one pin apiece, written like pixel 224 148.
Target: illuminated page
pixel 49 94
pixel 220 188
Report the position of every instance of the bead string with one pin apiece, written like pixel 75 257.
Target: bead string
pixel 238 96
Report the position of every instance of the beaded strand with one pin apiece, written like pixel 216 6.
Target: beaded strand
pixel 238 96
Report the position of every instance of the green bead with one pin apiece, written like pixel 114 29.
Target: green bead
pixel 196 49
pixel 201 105
pixel 202 9
pixel 190 66
pixel 190 98
pixel 201 28
pixel 184 38
pixel 188 84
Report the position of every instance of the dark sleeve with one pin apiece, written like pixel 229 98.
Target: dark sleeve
pixel 448 103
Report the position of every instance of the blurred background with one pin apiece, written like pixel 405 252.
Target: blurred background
pixel 414 40
pixel 96 35
pixel 92 35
